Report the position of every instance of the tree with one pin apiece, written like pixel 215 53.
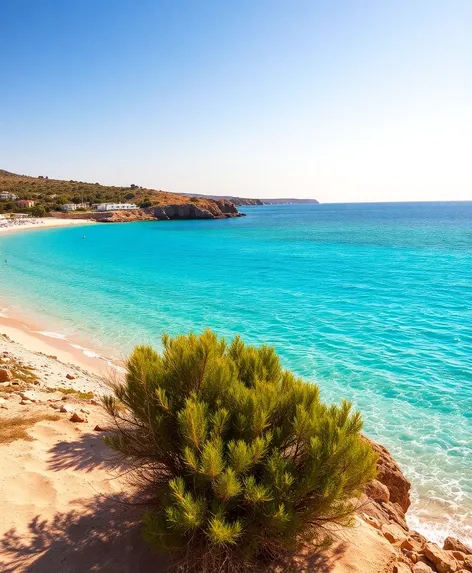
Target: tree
pixel 38 211
pixel 241 458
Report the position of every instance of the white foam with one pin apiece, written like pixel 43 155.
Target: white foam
pixel 52 334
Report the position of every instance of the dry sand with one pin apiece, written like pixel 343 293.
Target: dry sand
pixel 12 225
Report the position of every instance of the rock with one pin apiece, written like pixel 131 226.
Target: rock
pixel 25 402
pixel 377 491
pixel 421 567
pixel 94 402
pixel 84 410
pixel 65 409
pixel 443 561
pixel 393 533
pixel 5 375
pixel 70 377
pixel 76 417
pixel 401 568
pixel 411 555
pixel 54 406
pixel 99 429
pixel 467 563
pixel 391 475
pixel 453 544
pixel 29 395
pixel 395 513
pixel 371 520
pixel 412 544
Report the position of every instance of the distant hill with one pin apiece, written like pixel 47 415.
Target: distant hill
pixel 245 201
pixel 52 193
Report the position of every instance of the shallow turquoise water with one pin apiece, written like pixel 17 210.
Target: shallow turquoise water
pixel 374 302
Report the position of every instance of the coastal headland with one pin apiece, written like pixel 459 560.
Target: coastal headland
pixel 43 197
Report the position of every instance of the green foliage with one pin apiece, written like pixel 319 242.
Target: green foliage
pixel 38 211
pixel 243 460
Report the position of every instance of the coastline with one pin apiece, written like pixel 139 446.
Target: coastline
pixel 17 225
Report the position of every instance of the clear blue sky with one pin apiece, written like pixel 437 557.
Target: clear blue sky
pixel 342 100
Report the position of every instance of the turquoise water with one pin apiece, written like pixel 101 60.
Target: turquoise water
pixel 372 301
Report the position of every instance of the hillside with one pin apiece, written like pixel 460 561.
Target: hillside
pixel 52 193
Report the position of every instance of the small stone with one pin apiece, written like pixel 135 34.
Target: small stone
pixel 393 533
pixel 84 410
pixel 443 561
pixel 76 417
pixel 98 429
pixel 94 402
pixel 70 377
pixel 377 491
pixel 66 409
pixel 54 406
pixel 25 402
pixel 451 543
pixel 401 568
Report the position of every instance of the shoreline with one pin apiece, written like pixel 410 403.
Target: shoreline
pixel 41 341
pixel 17 225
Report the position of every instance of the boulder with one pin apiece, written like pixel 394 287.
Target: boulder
pixel 441 559
pixel 412 544
pixel 377 491
pixel 389 473
pixel 5 375
pixel 453 544
pixel 393 533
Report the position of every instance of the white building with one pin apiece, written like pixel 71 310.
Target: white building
pixel 69 207
pixel 116 206
pixel 4 196
pixel 74 206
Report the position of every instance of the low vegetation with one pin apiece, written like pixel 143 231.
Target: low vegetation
pixel 12 429
pixel 241 460
pixel 50 194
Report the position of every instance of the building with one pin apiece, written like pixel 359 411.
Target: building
pixel 73 206
pixel 116 206
pixel 4 196
pixel 25 203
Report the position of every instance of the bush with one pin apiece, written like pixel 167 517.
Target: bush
pixel 242 460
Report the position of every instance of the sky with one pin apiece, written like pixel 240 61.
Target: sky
pixel 338 100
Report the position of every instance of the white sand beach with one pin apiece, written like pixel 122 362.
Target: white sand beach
pixel 8 225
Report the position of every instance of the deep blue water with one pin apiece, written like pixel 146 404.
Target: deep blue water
pixel 371 301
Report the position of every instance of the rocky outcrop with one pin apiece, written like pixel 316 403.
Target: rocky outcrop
pixel 383 506
pixel 389 474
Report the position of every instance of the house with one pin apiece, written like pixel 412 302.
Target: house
pixel 5 196
pixel 116 206
pixel 74 206
pixel 25 203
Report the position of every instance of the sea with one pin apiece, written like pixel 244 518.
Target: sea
pixel 372 302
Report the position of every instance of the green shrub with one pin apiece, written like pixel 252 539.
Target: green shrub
pixel 242 460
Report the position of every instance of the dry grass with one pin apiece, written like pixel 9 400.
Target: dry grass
pixel 12 429
pixel 76 393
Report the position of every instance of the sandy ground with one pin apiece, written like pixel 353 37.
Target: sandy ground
pixel 12 225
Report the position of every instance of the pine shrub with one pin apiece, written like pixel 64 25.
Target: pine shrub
pixel 242 460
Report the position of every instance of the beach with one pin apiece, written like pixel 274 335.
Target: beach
pixel 11 225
